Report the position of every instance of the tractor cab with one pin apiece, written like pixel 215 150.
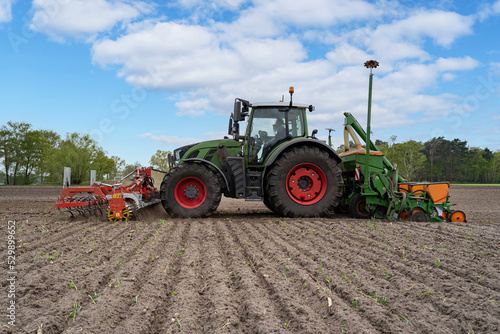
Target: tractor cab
pixel 269 126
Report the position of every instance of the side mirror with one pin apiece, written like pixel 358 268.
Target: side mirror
pixel 230 127
pixel 313 135
pixel 237 111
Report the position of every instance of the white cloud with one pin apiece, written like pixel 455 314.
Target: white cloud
pixel 6 10
pixel 488 10
pixel 448 76
pixel 261 53
pixel 213 4
pixel 175 56
pixel 83 19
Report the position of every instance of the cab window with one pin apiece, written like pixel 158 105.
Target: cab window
pixel 269 129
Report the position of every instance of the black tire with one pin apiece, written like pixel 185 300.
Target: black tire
pixel 341 209
pixel 190 191
pixel 313 169
pixel 418 216
pixel 357 207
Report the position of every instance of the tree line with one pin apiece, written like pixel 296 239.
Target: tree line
pixel 28 155
pixel 439 159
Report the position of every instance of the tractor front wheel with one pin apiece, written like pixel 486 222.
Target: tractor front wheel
pixel 190 191
pixel 304 182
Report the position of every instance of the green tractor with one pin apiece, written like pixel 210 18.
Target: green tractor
pixel 276 161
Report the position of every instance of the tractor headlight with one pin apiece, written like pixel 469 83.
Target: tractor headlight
pixel 179 153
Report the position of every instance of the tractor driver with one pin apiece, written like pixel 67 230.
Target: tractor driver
pixel 280 133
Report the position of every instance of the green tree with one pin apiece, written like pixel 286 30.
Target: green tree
pixel 102 165
pixel 12 137
pixel 119 165
pixel 81 153
pixel 408 156
pixel 159 160
pixel 50 144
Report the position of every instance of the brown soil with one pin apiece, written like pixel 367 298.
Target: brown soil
pixel 244 270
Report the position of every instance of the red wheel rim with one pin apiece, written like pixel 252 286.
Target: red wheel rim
pixel 190 192
pixel 306 184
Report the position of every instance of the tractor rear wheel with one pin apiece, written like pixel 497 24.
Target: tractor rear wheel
pixel 357 207
pixel 190 191
pixel 304 182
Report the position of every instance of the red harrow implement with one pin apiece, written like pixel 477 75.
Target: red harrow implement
pixel 119 201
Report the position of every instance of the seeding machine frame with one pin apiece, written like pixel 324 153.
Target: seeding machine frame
pixel 119 201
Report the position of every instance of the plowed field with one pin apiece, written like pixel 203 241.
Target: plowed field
pixel 244 270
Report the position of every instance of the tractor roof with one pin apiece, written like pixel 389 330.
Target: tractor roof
pixel 279 104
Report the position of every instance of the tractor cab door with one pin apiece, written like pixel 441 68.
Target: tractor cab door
pixel 269 127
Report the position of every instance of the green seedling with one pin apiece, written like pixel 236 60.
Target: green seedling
pixel 406 319
pixel 355 302
pixel 72 285
pixel 329 280
pixel 287 324
pixel 304 285
pixel 427 293
pixel 178 322
pixel 54 256
pixel 93 298
pixel 405 255
pixel 135 300
pixel 493 300
pixel 76 309
pixel 382 300
pixel 437 263
pixel 174 293
pixel 387 274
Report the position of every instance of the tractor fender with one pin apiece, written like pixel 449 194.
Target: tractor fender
pixel 211 164
pixel 302 141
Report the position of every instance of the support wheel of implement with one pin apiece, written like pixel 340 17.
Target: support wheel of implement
pixel 129 211
pixel 124 216
pixel 457 216
pixel 418 215
pixel 357 207
pixel 304 182
pixel 191 190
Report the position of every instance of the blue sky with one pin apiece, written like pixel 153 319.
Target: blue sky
pixel 143 75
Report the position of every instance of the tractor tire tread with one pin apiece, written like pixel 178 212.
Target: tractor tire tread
pixel 276 191
pixel 202 172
